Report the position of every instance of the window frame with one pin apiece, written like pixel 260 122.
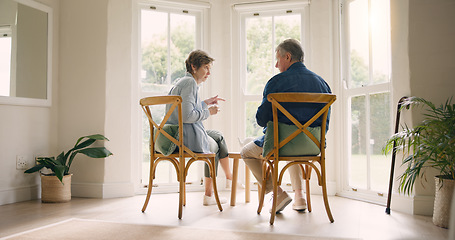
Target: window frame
pixel 244 11
pixel 200 11
pixel 347 93
pixel 240 13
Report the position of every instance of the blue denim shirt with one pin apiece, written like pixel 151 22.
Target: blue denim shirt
pixel 297 78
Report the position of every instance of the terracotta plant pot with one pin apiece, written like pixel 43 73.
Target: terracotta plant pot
pixel 53 191
pixel 442 202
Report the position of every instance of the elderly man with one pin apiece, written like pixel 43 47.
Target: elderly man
pixel 293 77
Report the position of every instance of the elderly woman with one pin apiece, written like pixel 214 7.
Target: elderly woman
pixel 194 111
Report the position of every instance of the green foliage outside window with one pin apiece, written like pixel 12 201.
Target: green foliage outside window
pixel 260 49
pixel 252 128
pixel 260 54
pixel 379 109
pixel 155 58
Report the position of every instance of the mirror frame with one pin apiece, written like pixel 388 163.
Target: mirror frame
pixel 22 101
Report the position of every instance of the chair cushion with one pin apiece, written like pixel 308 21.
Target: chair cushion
pixel 300 145
pixel 163 144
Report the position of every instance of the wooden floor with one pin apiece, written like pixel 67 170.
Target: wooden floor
pixel 353 219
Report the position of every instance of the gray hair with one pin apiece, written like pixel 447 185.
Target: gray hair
pixel 293 47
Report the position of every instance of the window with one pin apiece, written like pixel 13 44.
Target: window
pixel 168 34
pixel 5 60
pixel 263 34
pixel 263 27
pixel 366 94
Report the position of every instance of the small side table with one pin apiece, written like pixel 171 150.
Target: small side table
pixel 235 173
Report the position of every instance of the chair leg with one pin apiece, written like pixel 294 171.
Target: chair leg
pixel 149 190
pixel 307 183
pixel 181 175
pixel 181 195
pixel 275 191
pixel 184 188
pixel 215 189
pixel 261 196
pixel 326 203
pixel 261 190
pixel 324 194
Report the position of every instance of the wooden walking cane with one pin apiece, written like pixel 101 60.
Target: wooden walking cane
pixel 392 167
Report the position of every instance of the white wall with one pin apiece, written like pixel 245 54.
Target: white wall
pixel 432 64
pixel 28 131
pixel 82 86
pixel 118 178
pixel 96 92
pixel 401 84
pixel 423 59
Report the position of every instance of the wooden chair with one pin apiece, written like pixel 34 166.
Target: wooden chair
pixel 271 160
pixel 178 159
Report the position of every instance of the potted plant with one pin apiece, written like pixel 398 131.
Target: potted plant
pixel 56 186
pixel 429 145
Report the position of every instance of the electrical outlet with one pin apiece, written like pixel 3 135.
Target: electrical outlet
pixel 21 162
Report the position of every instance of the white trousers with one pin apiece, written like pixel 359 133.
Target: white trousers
pixel 252 156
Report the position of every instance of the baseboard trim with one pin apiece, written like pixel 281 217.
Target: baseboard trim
pixel 314 188
pixel 114 190
pixel 424 205
pixel 19 194
pixel 102 190
pixel 416 205
pixel 402 203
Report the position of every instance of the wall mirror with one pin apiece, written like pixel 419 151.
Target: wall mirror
pixel 25 53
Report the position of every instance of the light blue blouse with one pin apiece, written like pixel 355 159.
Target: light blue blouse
pixel 194 111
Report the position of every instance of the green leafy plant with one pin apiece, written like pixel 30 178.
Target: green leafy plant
pixel 60 166
pixel 430 144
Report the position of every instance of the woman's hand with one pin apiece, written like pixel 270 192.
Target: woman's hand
pixel 214 109
pixel 213 100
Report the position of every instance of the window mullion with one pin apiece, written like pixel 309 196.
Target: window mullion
pixel 273 41
pixel 368 139
pixel 370 46
pixel 168 76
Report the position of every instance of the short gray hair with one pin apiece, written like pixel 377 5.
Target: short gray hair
pixel 293 47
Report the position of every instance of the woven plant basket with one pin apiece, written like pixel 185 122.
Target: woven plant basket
pixel 53 191
pixel 442 202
